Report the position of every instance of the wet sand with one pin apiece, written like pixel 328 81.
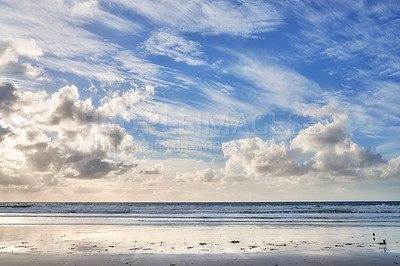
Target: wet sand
pixel 197 245
pixel 278 258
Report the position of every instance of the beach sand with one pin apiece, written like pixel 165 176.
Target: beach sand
pixel 278 258
pixel 197 245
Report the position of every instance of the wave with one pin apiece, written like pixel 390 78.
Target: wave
pixel 15 206
pixel 314 213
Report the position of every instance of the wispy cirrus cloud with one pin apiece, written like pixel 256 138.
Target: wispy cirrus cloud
pixel 209 17
pixel 176 47
pixel 276 84
pixel 58 30
pixel 165 89
pixel 358 32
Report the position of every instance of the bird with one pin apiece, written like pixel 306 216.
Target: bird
pixel 383 242
pixel 373 234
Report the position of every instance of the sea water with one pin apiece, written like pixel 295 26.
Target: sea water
pixel 365 213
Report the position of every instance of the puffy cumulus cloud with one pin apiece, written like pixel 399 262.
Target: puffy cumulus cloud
pixel 321 136
pixel 70 163
pixel 202 176
pixel 335 152
pixel 392 170
pixel 15 54
pixel 66 107
pixel 210 176
pixel 323 151
pixel 122 104
pixel 261 158
pixel 58 137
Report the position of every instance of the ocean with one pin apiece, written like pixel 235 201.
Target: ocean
pixel 361 213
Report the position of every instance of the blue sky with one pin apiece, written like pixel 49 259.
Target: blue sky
pixel 199 100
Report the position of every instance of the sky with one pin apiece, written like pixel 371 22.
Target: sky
pixel 179 100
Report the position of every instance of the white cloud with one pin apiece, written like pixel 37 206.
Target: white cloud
pixel 277 86
pixel 11 51
pixel 52 138
pixel 323 151
pixel 209 17
pixel 123 105
pixel 350 32
pixel 392 170
pixel 68 46
pixel 320 136
pixel 202 176
pixel 176 47
pixel 21 47
pixel 259 158
pixel 90 12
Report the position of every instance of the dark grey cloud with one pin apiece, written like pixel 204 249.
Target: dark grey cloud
pixel 69 110
pixel 15 69
pixel 156 170
pixel 70 163
pixel 4 131
pixel 44 158
pixel 8 96
pixel 95 168
pixel 9 180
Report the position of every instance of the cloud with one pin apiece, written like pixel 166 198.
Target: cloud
pixel 52 139
pixel 202 176
pixel 156 170
pixel 323 151
pixel 89 12
pixel 95 168
pixel 390 171
pixel 335 153
pixel 260 158
pixel 12 51
pixel 320 137
pixel 65 106
pixel 8 96
pixel 69 163
pixel 57 28
pixel 329 110
pixel 4 131
pixel 176 47
pixel 242 18
pixel 350 33
pixel 122 104
pixel 276 85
